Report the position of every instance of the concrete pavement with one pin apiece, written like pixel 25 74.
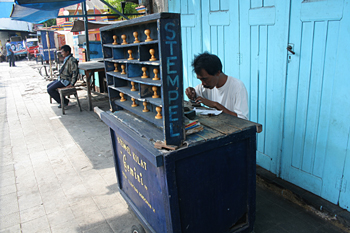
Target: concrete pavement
pixel 57 172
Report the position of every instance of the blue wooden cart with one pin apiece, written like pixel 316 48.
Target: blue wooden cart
pixel 206 181
pixel 208 185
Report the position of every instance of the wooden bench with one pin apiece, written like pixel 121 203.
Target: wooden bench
pixel 67 91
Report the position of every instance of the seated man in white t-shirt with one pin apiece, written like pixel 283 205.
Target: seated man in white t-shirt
pixel 217 89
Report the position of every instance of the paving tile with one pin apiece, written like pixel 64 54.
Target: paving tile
pixel 76 192
pixel 6 168
pixel 54 205
pixel 7 178
pixel 115 211
pixel 60 217
pixel 29 200
pixel 102 228
pixel 83 207
pixel 8 205
pixel 40 224
pixel 67 227
pixel 13 229
pixel 105 201
pixel 109 175
pixel 32 213
pixel 275 229
pixel 9 189
pixel 90 220
pixel 9 220
pixel 123 223
pixel 329 227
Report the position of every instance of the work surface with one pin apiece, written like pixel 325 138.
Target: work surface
pixel 91 65
pixel 213 127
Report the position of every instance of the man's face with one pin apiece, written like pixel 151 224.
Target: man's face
pixel 64 53
pixel 208 81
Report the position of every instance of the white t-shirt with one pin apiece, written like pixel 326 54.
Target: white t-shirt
pixel 232 95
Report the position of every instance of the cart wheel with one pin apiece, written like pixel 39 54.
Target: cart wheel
pixel 137 229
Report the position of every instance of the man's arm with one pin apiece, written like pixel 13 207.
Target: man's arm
pixel 75 73
pixel 213 104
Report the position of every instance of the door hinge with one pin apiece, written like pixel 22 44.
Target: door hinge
pixel 341 185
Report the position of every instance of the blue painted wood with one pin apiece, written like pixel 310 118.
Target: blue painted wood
pixel 165 38
pixel 147 81
pixel 119 53
pixel 262 93
pixel 263 69
pixel 134 70
pixel 191 35
pixel 314 150
pixel 344 201
pixel 297 102
pixel 262 16
pixel 219 18
pixel 172 84
pixel 214 5
pixel 337 159
pixel 194 198
pixel 174 6
pixel 320 10
pixel 47 40
pixel 221 34
pixel 164 190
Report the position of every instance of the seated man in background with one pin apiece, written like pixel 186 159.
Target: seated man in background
pixel 68 75
pixel 218 90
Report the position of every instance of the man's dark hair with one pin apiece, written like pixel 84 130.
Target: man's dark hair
pixel 8 40
pixel 66 48
pixel 209 62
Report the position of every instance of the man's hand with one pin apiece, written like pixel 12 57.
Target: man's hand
pixel 191 93
pixel 213 104
pixel 209 103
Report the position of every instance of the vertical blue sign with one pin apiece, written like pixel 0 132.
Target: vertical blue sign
pixel 172 72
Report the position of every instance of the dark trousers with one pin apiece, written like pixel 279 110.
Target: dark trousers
pixel 11 59
pixel 52 90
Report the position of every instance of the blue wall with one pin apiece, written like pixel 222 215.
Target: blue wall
pixel 302 99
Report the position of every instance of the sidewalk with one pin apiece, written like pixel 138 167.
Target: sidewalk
pixel 57 172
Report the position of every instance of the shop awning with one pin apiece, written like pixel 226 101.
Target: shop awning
pixel 5 8
pixel 38 11
pixel 78 25
pixel 5 21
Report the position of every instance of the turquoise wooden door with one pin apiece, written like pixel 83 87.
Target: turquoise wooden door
pixel 221 32
pixel 317 109
pixel 208 25
pixel 191 33
pixel 263 39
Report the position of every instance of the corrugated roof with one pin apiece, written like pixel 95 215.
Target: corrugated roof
pixel 90 3
pixel 15 25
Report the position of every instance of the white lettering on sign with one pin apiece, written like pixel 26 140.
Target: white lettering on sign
pixel 172 78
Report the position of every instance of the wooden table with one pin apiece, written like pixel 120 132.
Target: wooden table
pixel 88 69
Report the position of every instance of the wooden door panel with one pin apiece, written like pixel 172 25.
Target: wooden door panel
pixel 314 35
pixel 263 39
pixel 191 33
pixel 220 32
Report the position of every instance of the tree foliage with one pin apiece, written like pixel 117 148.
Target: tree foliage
pixel 50 22
pixel 129 7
